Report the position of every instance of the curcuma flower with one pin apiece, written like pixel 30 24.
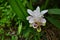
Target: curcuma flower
pixel 36 18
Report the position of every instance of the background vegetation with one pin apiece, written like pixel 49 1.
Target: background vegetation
pixel 14 26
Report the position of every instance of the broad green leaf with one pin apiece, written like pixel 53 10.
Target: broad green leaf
pixel 54 21
pixel 16 8
pixel 54 11
pixel 21 6
pixel 19 28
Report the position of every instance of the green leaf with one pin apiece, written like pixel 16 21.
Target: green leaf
pixel 29 5
pixel 3 20
pixel 54 11
pixel 54 21
pixel 14 38
pixel 1 0
pixel 35 38
pixel 19 28
pixel 1 31
pixel 2 37
pixel 21 6
pixel 24 2
pixel 16 8
pixel 26 33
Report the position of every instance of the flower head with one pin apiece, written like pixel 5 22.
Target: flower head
pixel 36 17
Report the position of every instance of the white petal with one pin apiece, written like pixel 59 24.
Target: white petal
pixel 30 11
pixel 28 18
pixel 44 11
pixel 43 20
pixel 31 20
pixel 38 9
pixel 36 12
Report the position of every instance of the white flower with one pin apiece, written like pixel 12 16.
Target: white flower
pixel 36 17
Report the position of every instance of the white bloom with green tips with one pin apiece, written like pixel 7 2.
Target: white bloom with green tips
pixel 36 17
